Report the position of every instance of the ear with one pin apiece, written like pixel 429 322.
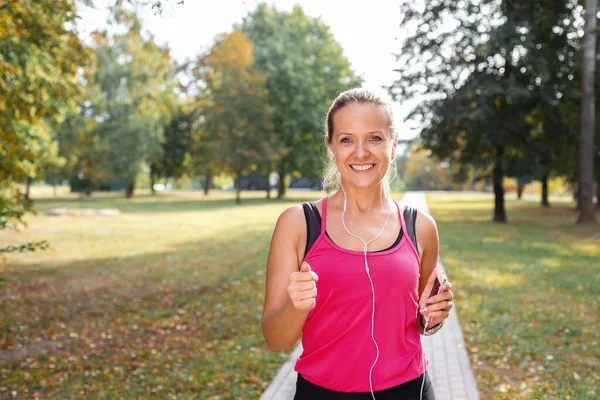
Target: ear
pixel 329 148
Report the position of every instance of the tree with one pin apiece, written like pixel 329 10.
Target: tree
pixel 175 159
pixel 86 155
pixel 39 61
pixel 586 140
pixel 237 111
pixel 301 84
pixel 134 75
pixel 482 76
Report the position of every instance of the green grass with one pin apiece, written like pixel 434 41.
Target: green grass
pixel 163 301
pixel 527 296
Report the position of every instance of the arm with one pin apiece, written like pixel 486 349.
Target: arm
pixel 289 294
pixel 438 308
pixel 429 244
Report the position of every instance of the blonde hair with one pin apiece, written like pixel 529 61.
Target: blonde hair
pixel 331 177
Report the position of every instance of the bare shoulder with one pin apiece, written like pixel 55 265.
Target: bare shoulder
pixel 291 218
pixel 427 233
pixel 425 223
pixel 290 227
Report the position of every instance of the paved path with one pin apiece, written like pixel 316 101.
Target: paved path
pixel 448 362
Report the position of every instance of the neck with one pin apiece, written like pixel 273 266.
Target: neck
pixel 362 200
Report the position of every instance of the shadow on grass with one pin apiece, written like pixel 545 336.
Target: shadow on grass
pixel 196 308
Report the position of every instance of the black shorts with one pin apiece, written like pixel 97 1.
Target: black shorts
pixel 410 390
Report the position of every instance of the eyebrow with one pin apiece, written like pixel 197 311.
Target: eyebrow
pixel 349 133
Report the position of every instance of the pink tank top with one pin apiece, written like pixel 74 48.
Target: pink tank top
pixel 336 336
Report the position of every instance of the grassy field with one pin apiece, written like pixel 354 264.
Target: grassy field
pixel 164 301
pixel 527 296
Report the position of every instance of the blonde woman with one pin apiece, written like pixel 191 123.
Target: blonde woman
pixel 352 272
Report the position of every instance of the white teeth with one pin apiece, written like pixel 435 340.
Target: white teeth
pixel 362 167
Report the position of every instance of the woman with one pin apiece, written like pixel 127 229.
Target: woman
pixel 346 271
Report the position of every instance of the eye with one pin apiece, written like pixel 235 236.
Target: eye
pixel 346 140
pixel 376 138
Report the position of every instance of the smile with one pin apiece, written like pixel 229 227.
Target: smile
pixel 363 167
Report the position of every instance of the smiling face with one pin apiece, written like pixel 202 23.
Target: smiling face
pixel 362 144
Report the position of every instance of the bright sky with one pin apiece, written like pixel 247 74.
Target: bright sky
pixel 366 30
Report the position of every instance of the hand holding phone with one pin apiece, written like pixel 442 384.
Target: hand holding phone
pixel 441 278
pixel 438 310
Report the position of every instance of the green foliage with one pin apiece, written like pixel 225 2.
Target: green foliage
pixel 236 117
pixel 86 155
pixel 493 82
pixel 39 61
pixel 134 76
pixel 305 69
pixel 40 57
pixel 27 247
pixel 175 160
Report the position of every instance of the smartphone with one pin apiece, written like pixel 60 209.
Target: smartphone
pixel 440 279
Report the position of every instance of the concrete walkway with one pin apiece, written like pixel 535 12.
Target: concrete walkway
pixel 449 366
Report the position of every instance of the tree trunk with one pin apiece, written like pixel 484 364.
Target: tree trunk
pixel 129 190
pixel 281 185
pixel 498 176
pixel 598 196
pixel 27 187
pixel 520 188
pixel 474 179
pixel 54 185
pixel 238 187
pixel 587 214
pixel 88 189
pixel 152 170
pixel 545 202
pixel 208 182
pixel 268 180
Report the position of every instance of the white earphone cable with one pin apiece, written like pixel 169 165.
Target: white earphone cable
pixel 423 360
pixel 366 244
pixel 365 248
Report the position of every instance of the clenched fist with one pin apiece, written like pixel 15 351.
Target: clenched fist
pixel 303 288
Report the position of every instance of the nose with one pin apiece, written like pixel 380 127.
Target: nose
pixel 362 150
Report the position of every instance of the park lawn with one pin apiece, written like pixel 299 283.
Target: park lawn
pixel 163 301
pixel 526 294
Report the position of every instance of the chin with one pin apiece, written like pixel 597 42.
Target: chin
pixel 366 184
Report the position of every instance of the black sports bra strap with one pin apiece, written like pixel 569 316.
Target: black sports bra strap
pixel 313 225
pixel 410 220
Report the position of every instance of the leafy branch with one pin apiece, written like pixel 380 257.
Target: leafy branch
pixel 31 247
